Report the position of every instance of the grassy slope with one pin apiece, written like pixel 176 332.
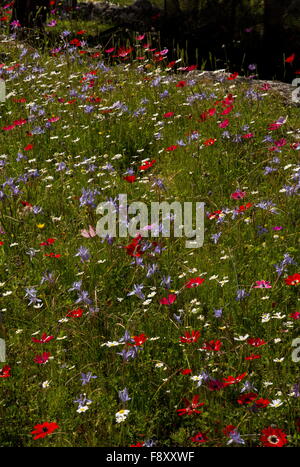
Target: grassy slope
pixel 194 172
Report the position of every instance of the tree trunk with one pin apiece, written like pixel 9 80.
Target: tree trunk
pixel 273 25
pixel 30 13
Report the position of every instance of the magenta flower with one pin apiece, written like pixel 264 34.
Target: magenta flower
pixel 224 123
pixel 238 195
pixel 43 358
pixel 15 24
pixel 262 285
pixel 52 23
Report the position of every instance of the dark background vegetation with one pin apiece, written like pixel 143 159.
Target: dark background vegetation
pixel 219 33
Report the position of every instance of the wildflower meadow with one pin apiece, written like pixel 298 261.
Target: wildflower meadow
pixel 139 340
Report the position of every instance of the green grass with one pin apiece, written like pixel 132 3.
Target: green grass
pixel 86 142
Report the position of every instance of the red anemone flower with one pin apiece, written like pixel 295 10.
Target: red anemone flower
pixel 212 345
pixel 41 359
pixel 186 371
pixel 273 437
pixel 168 300
pixel 191 407
pixel 44 429
pixel 194 282
pixel 49 241
pixel 53 255
pixel 43 340
pixel 168 114
pixel 130 178
pixel 290 59
pixel 214 215
pixel 252 357
pixel 134 247
pixel 233 76
pixel 227 110
pixel 180 84
pixel 147 165
pixel 228 429
pixel 190 338
pixel 293 280
pixel 247 398
pixel 244 207
pixel 171 148
pixel 139 340
pixel 232 380
pixel 75 313
pixel 210 141
pixel 261 403
pixel 5 372
pixel 255 341
pixel 199 438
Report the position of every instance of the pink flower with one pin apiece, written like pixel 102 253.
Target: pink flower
pixel 262 285
pixel 123 52
pixel 265 87
pixel 52 23
pixel 15 24
pixel 281 142
pixel 224 123
pixel 238 195
pixel 8 128
pixel 88 233
pixel 53 119
pixel 248 136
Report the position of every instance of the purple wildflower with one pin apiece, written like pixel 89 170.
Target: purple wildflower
pixel 83 253
pixel 241 294
pixel 83 297
pixel 137 290
pixel 123 395
pixel 86 378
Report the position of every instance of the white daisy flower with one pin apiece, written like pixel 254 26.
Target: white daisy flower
pixel 241 338
pixel 83 408
pixel 276 403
